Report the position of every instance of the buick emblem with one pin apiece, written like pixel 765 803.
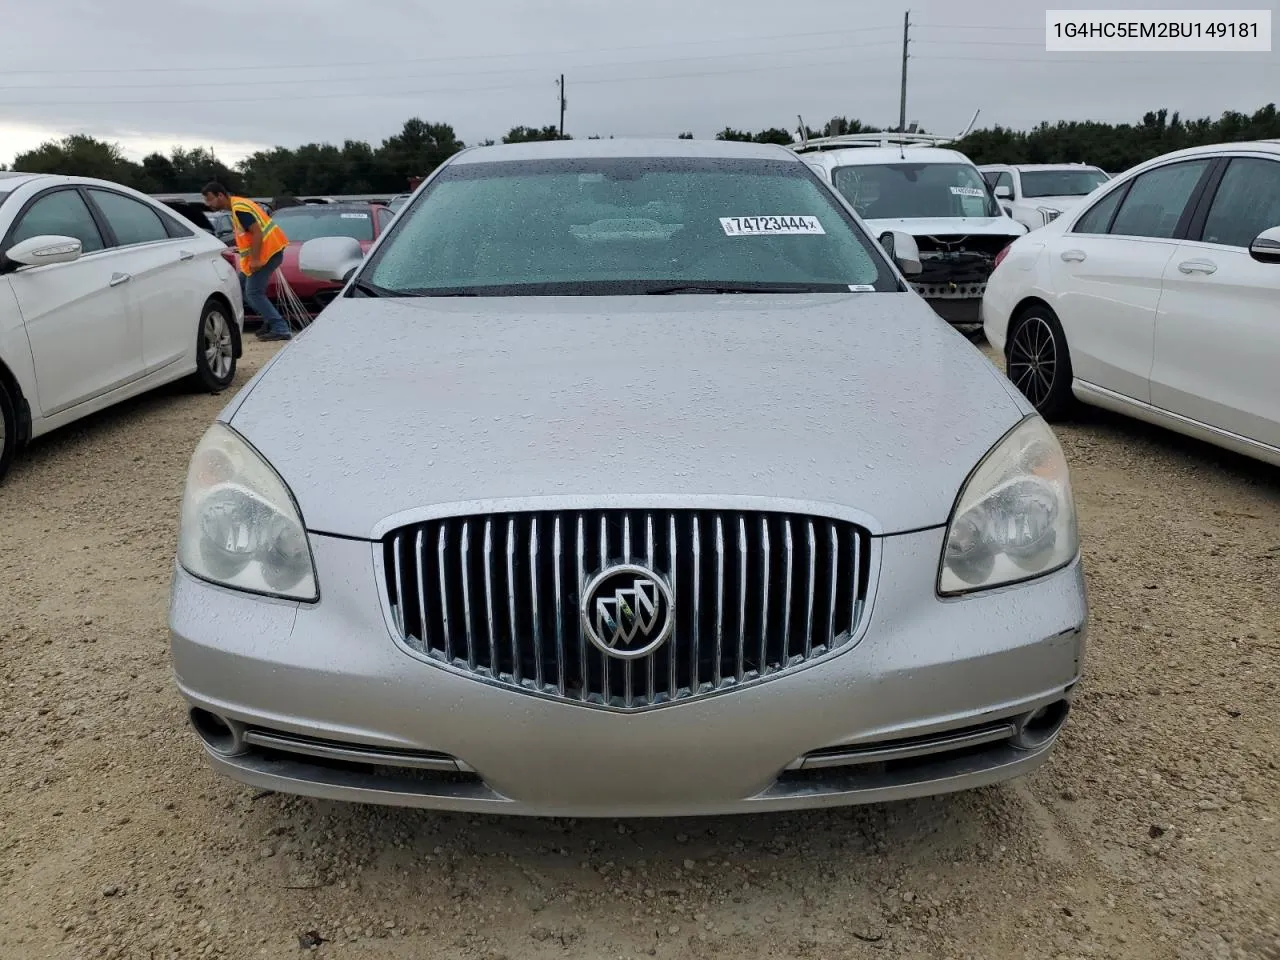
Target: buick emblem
pixel 627 611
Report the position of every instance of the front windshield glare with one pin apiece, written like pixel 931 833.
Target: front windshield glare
pixel 1060 183
pixel 892 191
pixel 624 226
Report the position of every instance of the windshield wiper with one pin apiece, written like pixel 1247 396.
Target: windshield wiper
pixel 372 290
pixel 724 288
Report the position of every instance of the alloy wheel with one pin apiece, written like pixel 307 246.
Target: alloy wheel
pixel 217 344
pixel 1033 359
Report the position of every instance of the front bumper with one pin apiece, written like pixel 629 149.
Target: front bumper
pixel 336 709
pixel 959 311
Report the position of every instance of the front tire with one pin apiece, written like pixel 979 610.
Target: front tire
pixel 8 429
pixel 1039 363
pixel 215 348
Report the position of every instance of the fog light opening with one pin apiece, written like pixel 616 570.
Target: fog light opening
pixel 222 736
pixel 1040 726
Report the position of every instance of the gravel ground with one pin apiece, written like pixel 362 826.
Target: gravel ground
pixel 1151 833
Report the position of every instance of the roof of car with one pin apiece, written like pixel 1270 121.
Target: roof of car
pixel 15 178
pixel 345 207
pixel 623 147
pixel 1039 166
pixel 867 155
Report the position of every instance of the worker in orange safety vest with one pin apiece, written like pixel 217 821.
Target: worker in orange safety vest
pixel 260 244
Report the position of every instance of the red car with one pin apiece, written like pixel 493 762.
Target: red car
pixel 363 221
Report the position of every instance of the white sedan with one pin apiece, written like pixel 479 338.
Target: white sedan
pixel 104 294
pixel 1159 298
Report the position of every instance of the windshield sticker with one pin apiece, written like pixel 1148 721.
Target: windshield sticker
pixel 355 216
pixel 759 226
pixel 968 192
pixel 861 288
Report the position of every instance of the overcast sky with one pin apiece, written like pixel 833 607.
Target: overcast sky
pixel 201 73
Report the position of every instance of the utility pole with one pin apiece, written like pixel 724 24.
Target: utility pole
pixel 902 103
pixel 562 106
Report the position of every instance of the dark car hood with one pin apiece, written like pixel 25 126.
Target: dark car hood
pixel 865 401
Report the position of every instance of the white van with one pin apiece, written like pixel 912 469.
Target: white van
pixel 910 183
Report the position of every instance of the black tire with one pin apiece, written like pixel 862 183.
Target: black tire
pixel 8 429
pixel 215 348
pixel 1039 362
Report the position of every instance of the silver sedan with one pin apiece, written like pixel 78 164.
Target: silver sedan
pixel 626 478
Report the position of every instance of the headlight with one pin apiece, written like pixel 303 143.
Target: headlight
pixel 1049 214
pixel 1015 518
pixel 240 526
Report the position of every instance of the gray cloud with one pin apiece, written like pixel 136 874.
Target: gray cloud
pixel 657 68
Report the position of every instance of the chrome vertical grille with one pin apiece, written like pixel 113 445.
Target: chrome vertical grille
pixel 498 596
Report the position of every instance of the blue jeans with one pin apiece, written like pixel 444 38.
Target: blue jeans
pixel 254 288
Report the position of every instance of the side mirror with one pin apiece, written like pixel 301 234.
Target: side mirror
pixel 330 258
pixel 50 248
pixel 1004 192
pixel 1265 247
pixel 904 251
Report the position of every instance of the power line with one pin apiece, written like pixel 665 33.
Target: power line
pixel 736 55
pixel 211 84
pixel 398 94
pixel 982 43
pixel 395 94
pixel 973 26
pixel 1108 60
pixel 330 64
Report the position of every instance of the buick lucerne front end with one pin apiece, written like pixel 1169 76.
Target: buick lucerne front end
pixel 626 479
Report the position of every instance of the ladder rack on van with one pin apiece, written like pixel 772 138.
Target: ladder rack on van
pixel 871 140
pixel 888 138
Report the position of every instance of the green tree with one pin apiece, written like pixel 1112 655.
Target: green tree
pixel 774 135
pixel 83 156
pixel 416 150
pixel 532 134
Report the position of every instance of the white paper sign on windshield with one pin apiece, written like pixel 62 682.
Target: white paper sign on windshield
pixel 968 192
pixel 769 225
pixel 355 216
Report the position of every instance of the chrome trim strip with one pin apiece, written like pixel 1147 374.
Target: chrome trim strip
pixel 354 754
pixel 939 743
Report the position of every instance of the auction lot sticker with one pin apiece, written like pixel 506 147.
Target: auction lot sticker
pixel 761 226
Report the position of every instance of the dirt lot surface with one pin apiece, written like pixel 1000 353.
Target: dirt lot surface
pixel 1153 832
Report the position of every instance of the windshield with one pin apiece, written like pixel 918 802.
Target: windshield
pixel 4 195
pixel 309 222
pixel 1060 183
pixel 622 226
pixel 893 191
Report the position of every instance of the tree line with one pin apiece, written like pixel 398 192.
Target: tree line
pixel 360 167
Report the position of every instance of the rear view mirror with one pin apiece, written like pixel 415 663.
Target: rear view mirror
pixel 50 248
pixel 1004 192
pixel 903 249
pixel 330 258
pixel 1266 246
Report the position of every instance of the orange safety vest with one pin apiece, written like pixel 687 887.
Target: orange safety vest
pixel 273 238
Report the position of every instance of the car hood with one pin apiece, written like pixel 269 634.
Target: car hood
pixel 866 402
pixel 949 226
